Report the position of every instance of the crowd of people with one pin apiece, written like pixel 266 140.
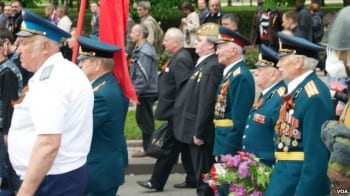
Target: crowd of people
pixel 62 125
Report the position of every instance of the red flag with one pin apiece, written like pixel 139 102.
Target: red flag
pixel 113 22
pixel 79 29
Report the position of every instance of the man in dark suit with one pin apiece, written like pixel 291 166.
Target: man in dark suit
pixel 172 79
pixel 235 95
pixel 193 124
pixel 302 158
pixel 108 157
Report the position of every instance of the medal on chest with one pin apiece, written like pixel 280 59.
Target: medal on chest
pixel 287 125
pixel 221 99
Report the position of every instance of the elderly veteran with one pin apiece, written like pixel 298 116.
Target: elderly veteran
pixel 259 131
pixel 51 128
pixel 195 106
pixel 108 156
pixel 301 157
pixel 235 93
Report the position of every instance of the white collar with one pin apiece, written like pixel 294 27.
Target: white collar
pixel 228 68
pixel 269 88
pixel 294 83
pixel 202 58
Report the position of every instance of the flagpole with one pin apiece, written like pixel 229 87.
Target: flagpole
pixel 79 28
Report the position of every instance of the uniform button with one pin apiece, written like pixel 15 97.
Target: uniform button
pixel 243 147
pixel 247 126
pixel 244 136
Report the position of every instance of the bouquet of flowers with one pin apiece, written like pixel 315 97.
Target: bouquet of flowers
pixel 241 174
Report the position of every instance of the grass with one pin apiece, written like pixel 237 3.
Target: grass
pixel 132 131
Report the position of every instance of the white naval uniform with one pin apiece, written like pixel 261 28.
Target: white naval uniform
pixel 59 101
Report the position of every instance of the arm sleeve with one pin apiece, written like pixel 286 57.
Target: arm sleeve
pixel 10 93
pixel 151 31
pixel 241 100
pixel 193 23
pixel 143 71
pixel 206 101
pixel 100 111
pixel 314 170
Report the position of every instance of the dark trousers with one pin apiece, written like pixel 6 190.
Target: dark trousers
pixel 202 160
pixel 72 183
pixel 164 164
pixel 145 118
pixel 10 182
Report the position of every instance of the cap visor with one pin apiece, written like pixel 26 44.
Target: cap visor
pixel 260 64
pixel 282 54
pixel 24 34
pixel 82 57
pixel 220 41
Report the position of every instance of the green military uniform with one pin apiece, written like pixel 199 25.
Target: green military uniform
pixel 259 131
pixel 234 100
pixel 301 157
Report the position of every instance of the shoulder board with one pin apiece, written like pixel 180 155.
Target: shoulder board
pixel 46 73
pixel 311 89
pixel 96 88
pixel 237 71
pixel 281 91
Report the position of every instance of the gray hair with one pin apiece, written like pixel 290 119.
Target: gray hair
pixel 145 5
pixel 238 48
pixel 108 63
pixel 309 63
pixel 176 35
pixel 142 29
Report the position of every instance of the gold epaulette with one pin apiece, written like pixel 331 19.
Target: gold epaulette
pixel 281 91
pixel 96 88
pixel 237 71
pixel 311 89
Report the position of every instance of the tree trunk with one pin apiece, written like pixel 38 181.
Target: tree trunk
pixel 229 2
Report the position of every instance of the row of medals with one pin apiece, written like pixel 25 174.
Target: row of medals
pixel 287 131
pixel 221 101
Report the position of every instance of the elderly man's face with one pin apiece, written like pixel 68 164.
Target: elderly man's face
pixel 203 46
pixel 16 7
pixel 225 52
pixel 29 49
pixel 214 6
pixel 289 66
pixel 89 67
pixel 262 76
pixel 169 43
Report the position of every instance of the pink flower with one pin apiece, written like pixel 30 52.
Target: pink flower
pixel 257 193
pixel 240 190
pixel 243 170
pixel 234 161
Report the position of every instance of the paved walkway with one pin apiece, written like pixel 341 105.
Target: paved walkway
pixel 130 187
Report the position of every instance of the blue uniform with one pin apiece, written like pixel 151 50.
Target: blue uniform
pixel 234 100
pixel 301 167
pixel 259 131
pixel 108 158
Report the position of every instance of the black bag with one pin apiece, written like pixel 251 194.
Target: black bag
pixel 159 138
